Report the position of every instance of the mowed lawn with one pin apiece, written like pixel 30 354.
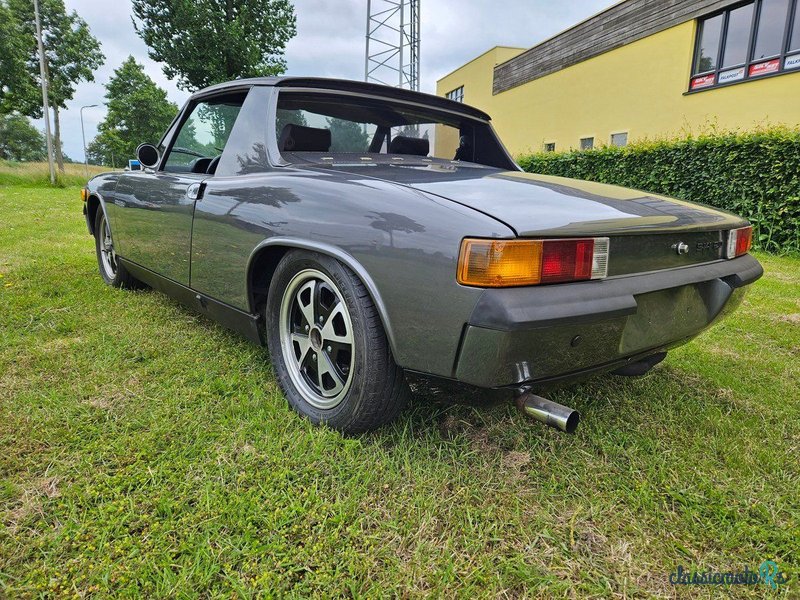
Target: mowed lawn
pixel 146 451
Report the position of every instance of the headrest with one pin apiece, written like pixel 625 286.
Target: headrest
pixel 296 138
pixel 409 145
pixel 199 165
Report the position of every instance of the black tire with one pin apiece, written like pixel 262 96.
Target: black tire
pixel 112 272
pixel 373 388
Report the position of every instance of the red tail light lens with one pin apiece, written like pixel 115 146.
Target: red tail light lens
pixel 567 260
pixel 509 263
pixel 739 241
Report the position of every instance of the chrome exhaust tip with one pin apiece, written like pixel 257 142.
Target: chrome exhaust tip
pixel 548 412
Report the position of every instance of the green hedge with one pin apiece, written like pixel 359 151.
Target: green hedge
pixel 756 175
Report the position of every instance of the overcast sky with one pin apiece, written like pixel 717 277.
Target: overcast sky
pixel 330 42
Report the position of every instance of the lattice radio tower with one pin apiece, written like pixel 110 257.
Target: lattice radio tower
pixel 393 41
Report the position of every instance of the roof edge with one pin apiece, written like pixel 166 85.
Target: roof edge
pixel 481 55
pixel 568 29
pixel 349 85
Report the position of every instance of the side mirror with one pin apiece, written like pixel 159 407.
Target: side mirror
pixel 148 155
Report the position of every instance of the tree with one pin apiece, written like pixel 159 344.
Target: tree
pixel 289 117
pixel 347 136
pixel 72 55
pixel 203 42
pixel 138 111
pixel 13 73
pixel 19 140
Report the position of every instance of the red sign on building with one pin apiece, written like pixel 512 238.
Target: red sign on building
pixel 771 66
pixel 701 82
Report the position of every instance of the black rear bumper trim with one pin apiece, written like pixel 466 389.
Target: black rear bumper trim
pixel 515 309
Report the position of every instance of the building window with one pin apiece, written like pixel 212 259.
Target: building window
pixel 737 39
pixel 794 41
pixel 550 147
pixel 619 139
pixel 587 143
pixel 710 33
pixel 457 94
pixel 746 42
pixel 771 27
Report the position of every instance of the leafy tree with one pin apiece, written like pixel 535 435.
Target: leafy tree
pixel 72 55
pixel 289 117
pixel 347 136
pixel 138 111
pixel 19 140
pixel 13 73
pixel 203 42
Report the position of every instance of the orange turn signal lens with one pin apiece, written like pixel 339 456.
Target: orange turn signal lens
pixel 495 263
pixel 84 194
pixel 510 263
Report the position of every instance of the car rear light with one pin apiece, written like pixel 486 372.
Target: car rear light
pixel 510 263
pixel 739 241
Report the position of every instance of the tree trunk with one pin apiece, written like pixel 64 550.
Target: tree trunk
pixel 56 123
pixel 57 139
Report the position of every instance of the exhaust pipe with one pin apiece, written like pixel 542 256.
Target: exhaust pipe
pixel 548 412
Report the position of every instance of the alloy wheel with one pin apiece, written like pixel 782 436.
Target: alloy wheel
pixel 108 257
pixel 317 338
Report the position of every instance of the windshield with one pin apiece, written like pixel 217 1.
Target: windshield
pixel 329 128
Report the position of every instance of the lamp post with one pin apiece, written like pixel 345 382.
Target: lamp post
pixel 83 134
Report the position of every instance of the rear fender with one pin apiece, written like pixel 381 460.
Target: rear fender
pixel 333 251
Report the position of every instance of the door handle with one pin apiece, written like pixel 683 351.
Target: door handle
pixel 195 191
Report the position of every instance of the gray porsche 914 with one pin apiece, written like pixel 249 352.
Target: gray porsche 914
pixel 365 232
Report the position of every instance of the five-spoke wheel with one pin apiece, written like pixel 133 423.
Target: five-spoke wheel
pixel 328 346
pixel 113 272
pixel 108 258
pixel 317 336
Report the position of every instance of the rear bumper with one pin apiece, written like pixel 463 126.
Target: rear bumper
pixel 521 336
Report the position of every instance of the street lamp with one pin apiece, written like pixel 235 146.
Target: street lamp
pixel 83 134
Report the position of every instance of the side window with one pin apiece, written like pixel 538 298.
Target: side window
pixel 203 135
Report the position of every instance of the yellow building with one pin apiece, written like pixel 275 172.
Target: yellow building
pixel 642 69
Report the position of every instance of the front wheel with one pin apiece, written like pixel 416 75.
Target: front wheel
pixel 112 271
pixel 328 346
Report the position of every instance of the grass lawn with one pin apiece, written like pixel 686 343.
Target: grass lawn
pixel 36 174
pixel 146 451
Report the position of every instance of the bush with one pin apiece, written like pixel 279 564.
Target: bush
pixel 756 175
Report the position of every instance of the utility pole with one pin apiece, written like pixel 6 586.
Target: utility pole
pixel 45 100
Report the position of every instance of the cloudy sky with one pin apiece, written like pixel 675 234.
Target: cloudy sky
pixel 330 42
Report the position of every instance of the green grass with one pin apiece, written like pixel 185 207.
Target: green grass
pixel 37 174
pixel 146 451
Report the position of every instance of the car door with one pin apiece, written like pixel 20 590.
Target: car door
pixel 155 208
pixel 237 193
